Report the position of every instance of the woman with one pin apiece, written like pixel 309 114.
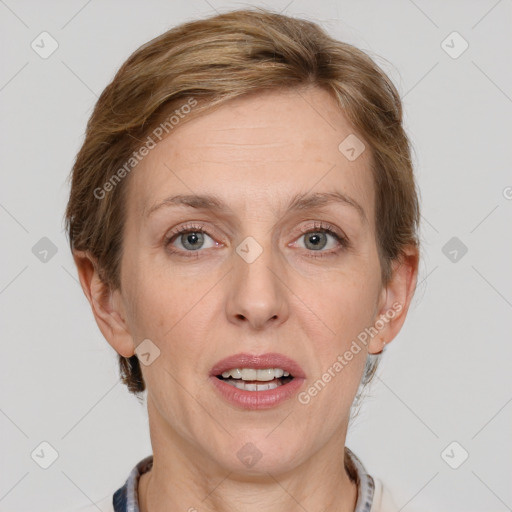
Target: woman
pixel 243 216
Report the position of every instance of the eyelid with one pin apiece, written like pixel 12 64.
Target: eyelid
pixel 325 227
pixel 191 227
pixel 319 226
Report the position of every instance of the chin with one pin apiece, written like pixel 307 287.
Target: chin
pixel 261 453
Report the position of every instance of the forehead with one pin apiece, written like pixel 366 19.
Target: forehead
pixel 259 150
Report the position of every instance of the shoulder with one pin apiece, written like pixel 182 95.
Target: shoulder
pixel 373 494
pixel 382 499
pixel 105 505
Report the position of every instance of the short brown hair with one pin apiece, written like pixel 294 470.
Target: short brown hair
pixel 213 60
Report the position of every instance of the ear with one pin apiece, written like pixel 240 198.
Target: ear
pixel 106 304
pixel 395 299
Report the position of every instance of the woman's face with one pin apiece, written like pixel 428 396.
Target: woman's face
pixel 244 278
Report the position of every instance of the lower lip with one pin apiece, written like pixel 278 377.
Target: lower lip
pixel 257 399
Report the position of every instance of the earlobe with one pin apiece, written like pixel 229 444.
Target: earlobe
pixel 395 299
pixel 108 313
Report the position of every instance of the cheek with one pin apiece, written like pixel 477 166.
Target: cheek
pixel 347 303
pixel 174 312
pixel 346 309
pixel 155 302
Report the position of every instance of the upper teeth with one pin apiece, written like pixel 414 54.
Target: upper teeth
pixel 253 374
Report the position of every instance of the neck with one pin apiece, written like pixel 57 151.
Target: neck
pixel 185 478
pixel 157 494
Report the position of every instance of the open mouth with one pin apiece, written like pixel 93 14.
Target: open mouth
pixel 248 379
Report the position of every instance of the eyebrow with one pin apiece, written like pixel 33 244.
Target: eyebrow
pixel 299 202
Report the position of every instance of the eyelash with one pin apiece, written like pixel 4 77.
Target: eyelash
pixel 319 227
pixel 322 227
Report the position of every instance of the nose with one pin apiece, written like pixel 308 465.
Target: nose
pixel 257 293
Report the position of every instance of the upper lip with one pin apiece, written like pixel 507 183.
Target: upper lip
pixel 261 361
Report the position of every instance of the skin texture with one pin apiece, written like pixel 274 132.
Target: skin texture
pixel 255 153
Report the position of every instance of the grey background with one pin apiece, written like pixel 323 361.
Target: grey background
pixel 445 378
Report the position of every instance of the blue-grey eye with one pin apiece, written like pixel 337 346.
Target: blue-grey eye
pixel 315 240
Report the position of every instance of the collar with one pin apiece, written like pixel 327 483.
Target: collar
pixel 126 498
